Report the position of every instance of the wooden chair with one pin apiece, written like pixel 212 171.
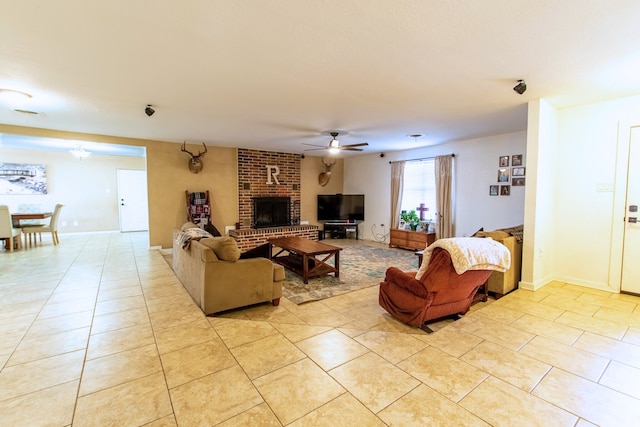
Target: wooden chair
pixel 11 236
pixel 39 229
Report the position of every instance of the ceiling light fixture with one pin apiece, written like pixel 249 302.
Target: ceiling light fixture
pixel 521 87
pixel 334 146
pixel 80 153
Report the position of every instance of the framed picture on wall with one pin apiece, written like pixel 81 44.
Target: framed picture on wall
pixel 518 171
pixel 516 160
pixel 505 190
pixel 503 175
pixel 503 161
pixel 517 182
pixel 22 178
pixel 493 190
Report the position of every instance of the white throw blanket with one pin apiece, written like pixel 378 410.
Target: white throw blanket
pixel 470 253
pixel 184 238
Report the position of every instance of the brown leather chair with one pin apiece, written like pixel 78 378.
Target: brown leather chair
pixel 440 292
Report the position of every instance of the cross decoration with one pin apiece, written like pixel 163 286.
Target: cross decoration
pixel 422 209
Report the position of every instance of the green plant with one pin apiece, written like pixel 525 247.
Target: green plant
pixel 411 218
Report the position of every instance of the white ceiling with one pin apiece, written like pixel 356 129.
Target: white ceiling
pixel 276 74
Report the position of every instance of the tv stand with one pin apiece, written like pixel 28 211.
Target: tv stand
pixel 340 229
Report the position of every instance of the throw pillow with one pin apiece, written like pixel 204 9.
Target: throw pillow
pixel 225 247
pixel 187 225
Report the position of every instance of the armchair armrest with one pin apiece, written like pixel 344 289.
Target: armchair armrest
pixel 407 281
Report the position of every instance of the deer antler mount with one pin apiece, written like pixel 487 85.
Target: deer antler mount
pixel 195 162
pixel 324 177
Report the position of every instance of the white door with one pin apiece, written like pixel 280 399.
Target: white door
pixel 631 246
pixel 132 200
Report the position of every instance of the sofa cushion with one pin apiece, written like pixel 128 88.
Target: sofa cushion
pixel 495 235
pixel 224 247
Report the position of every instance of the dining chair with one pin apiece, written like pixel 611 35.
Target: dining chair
pixel 7 232
pixel 39 229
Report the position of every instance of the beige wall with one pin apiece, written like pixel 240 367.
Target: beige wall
pixel 168 178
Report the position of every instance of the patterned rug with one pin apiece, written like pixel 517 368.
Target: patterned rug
pixel 362 265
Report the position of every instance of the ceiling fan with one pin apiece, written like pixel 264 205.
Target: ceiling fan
pixel 334 145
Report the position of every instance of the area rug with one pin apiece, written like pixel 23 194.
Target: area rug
pixel 361 266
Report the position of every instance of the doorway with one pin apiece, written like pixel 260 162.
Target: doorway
pixel 631 247
pixel 133 206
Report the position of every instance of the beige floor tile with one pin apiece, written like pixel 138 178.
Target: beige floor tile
pixel 345 410
pixel 452 341
pixel 593 402
pixel 59 309
pixel 505 335
pixel 533 308
pixel 623 378
pixel 392 346
pixel 570 303
pixel 116 293
pixel 597 326
pixel 9 342
pixel 62 323
pixel 168 421
pixel 517 369
pixel 175 317
pixel 259 415
pixel 55 406
pixel 39 347
pixel 119 320
pixel 137 402
pixel 109 371
pixel 296 332
pixel 500 314
pixel 607 301
pixel 374 381
pixel 266 355
pixel 425 407
pixel 121 304
pixel 580 362
pixel 632 336
pixel 184 335
pixel 168 302
pixel 445 374
pixel 533 296
pixel 331 349
pixel 191 363
pixel 499 403
pixel 295 390
pixel 548 329
pixel 3 359
pixel 40 374
pixel 621 317
pixel 119 340
pixel 171 289
pixel 60 296
pixel 327 318
pixel 214 398
pixel 241 332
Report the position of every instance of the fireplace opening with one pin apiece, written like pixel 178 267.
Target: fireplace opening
pixel 271 212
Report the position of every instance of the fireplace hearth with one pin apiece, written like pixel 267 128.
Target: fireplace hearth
pixel 271 212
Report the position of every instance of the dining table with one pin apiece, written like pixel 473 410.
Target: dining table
pixel 17 217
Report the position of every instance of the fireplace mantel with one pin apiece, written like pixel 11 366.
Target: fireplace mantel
pixel 249 238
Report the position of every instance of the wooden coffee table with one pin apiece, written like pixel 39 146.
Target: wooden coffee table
pixel 300 256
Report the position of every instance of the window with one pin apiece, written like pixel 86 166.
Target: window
pixel 420 187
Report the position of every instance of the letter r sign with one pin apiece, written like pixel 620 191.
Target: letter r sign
pixel 272 172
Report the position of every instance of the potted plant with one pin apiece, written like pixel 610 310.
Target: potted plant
pixel 411 218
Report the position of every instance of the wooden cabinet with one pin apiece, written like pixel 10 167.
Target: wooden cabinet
pixel 407 239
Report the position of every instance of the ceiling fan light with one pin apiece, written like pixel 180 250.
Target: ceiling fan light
pixel 334 144
pixel 333 149
pixel 80 153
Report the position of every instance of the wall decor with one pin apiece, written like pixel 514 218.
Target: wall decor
pixel 516 160
pixel 503 161
pixel 517 182
pixel 22 178
pixel 518 171
pixel 503 175
pixel 493 190
pixel 505 190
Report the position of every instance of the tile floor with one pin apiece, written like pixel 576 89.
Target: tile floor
pixel 98 332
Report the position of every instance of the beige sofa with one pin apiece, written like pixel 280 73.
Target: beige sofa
pixel 216 284
pixel 503 283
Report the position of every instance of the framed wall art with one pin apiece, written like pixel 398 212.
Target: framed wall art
pixel 22 178
pixel 517 182
pixel 518 171
pixel 503 175
pixel 516 160
pixel 493 190
pixel 503 161
pixel 505 190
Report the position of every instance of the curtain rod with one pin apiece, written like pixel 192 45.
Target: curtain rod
pixel 415 160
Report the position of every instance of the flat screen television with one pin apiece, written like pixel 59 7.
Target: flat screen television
pixel 341 207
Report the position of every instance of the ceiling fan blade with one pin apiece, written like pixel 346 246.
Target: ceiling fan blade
pixel 362 144
pixel 314 145
pixel 347 148
pixel 315 149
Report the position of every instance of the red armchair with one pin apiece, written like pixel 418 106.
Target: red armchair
pixel 439 293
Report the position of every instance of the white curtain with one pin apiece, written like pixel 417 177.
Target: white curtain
pixel 397 180
pixel 444 199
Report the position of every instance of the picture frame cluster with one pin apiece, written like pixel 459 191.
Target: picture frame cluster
pixel 511 172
